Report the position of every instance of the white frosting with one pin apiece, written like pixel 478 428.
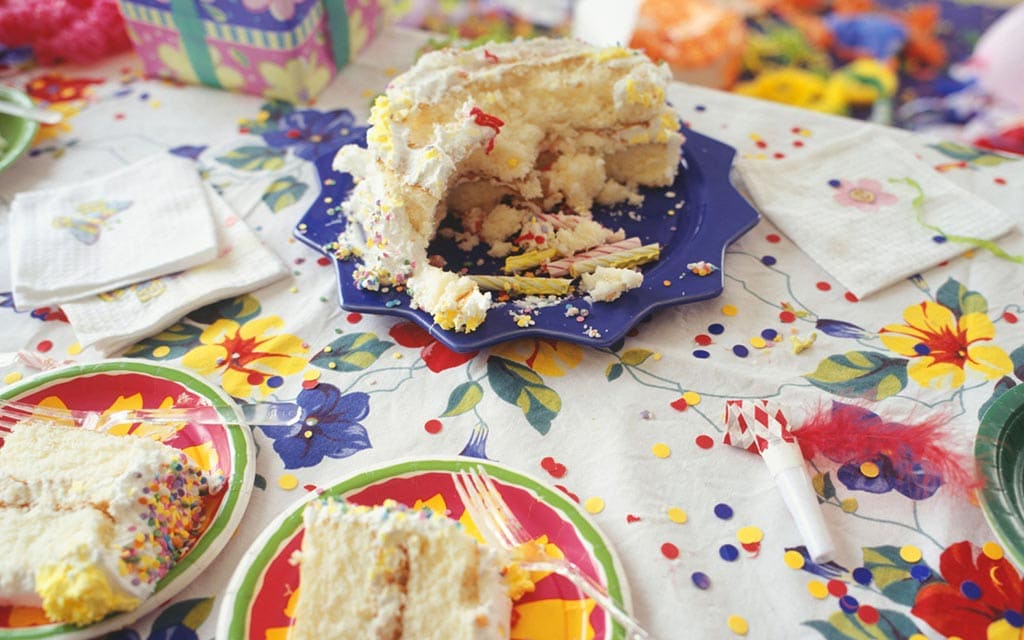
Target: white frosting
pixel 608 283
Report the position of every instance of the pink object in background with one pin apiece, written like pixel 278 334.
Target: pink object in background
pixel 998 59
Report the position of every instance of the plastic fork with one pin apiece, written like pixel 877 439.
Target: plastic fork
pixel 264 414
pixel 500 527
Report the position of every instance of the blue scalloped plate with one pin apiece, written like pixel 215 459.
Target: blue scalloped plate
pixel 695 219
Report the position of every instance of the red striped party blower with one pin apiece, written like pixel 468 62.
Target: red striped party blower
pixel 759 426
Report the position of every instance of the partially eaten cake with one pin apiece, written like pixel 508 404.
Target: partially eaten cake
pixel 519 141
pixel 90 522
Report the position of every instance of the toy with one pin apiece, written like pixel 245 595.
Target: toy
pixel 64 30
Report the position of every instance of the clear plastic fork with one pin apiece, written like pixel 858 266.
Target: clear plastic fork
pixel 500 527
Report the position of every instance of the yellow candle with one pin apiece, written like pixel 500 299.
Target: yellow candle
pixel 621 259
pixel 524 286
pixel 528 260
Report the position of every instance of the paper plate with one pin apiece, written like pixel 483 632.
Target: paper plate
pixel 259 596
pixel 694 220
pixel 999 454
pixel 226 449
pixel 18 132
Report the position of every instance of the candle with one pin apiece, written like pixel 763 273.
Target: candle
pixel 559 268
pixel 528 260
pixel 522 285
pixel 619 259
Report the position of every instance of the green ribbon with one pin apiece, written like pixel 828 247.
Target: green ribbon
pixel 337 25
pixel 193 38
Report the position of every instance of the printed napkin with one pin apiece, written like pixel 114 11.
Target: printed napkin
pixel 116 319
pixel 868 211
pixel 146 220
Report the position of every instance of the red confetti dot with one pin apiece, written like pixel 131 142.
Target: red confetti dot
pixel 751 547
pixel 703 339
pixel 823 286
pixel 868 614
pixel 630 518
pixel 670 551
pixel 795 130
pixel 1009 317
pixel 118 116
pixel 705 441
pixel 44 346
pixel 850 297
pixel 778 155
pixel 354 317
pixel 243 129
pixel 798 143
pixel 773 238
pixel 323 261
pixel 293 133
pixel 761 144
pixel 309 487
pixel 552 466
pixel 787 316
pixel 999 180
pixel 310 384
pixel 837 588
pixel 432 426
pixel 679 404
pixel 254 378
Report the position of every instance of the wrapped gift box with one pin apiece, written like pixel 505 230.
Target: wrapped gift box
pixel 287 49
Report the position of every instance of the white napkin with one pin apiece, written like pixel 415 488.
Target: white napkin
pixel 117 319
pixel 146 220
pixel 849 206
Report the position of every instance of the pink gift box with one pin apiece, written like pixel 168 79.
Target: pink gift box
pixel 286 49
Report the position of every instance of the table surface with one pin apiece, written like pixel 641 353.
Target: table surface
pixel 634 432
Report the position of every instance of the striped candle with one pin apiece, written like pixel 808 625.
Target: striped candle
pixel 559 268
pixel 524 286
pixel 528 260
pixel 621 259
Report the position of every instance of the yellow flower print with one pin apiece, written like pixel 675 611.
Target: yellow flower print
pixel 358 33
pixel 246 356
pixel 181 67
pixel 546 357
pixel 68 109
pixel 941 346
pixel 299 80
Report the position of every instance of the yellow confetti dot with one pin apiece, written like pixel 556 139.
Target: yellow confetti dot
pixel 738 625
pixel 918 636
pixel 656 356
pixel 161 351
pixel 794 559
pixel 12 377
pixel 677 515
pixel 294 290
pixel 312 374
pixel 368 93
pixel 818 589
pixel 390 71
pixel 594 505
pixel 661 450
pixel 849 505
pixel 667 283
pixel 692 398
pixel 750 535
pixel 758 342
pixel 755 137
pixel 992 550
pixel 287 481
pixel 74 349
pixel 155 104
pixel 397 355
pixel 869 470
pixel 729 310
pixel 805 133
pixel 910 553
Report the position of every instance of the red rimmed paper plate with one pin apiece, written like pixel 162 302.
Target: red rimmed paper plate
pixel 261 594
pixel 225 449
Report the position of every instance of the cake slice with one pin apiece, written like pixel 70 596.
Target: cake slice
pixel 89 522
pixel 389 572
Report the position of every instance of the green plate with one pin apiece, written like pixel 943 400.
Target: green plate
pixel 998 450
pixel 18 132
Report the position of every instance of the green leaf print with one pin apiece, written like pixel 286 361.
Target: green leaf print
pixel 254 158
pixel 240 309
pixel 860 374
pixel 634 357
pixel 958 299
pixel 891 574
pixel 284 192
pixel 971 154
pixel 351 352
pixel 891 625
pixel 190 613
pixel 522 387
pixel 463 398
pixel 172 342
pixel 823 486
pixel 613 371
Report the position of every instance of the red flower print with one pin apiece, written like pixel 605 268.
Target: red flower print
pixel 437 356
pixel 54 87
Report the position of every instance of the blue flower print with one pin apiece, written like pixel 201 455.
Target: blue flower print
pixel 330 427
pixel 311 133
pixel 900 473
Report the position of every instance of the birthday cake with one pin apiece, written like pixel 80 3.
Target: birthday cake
pixel 89 522
pixel 517 142
pixel 391 572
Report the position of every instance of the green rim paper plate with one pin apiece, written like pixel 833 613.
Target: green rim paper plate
pixel 17 132
pixel 999 454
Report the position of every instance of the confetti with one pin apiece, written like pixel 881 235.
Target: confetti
pixel 670 551
pixel 287 481
pixel 594 505
pixel 749 535
pixel 12 377
pixel 862 575
pixel 701 580
pixel 738 625
pixel 992 550
pixel 728 552
pixel 910 553
pixel 677 515
pixel 729 310
pixel 692 398
pixel 794 559
pixel 817 589
pixel 723 511
pixel 76 349
pixel 661 450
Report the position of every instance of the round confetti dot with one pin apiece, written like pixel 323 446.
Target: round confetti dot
pixel 740 351
pixel 862 575
pixel 758 342
pixel 992 550
pixel 162 351
pixel 910 553
pixel 920 572
pixel 939 239
pixel 773 238
pixel 432 426
pixel 728 552
pixel 1009 318
pixel 310 384
pixel 703 339
pixel 769 334
pixel 254 379
pixel 692 398
pixel 918 636
pixel 768 260
pixel 834 183
pixel 44 346
pixel 999 181
pixel 730 310
pixel 677 515
pixel 970 589
pixel 323 261
pixel 353 318
pixel 275 381
pixel 823 286
pixel 868 614
pixel 738 625
pixel 849 505
pixel 287 481
pixel 1014 618
pixel 76 349
pixel 670 551
pixel 312 374
pixel 701 354
pixel 922 349
pixel 704 441
pixel 817 589
pixel 837 588
pixel 661 450
pixel 787 316
pixel 700 580
pixel 869 470
pixel 594 505
pixel 848 604
pixel 716 329
pixel 794 559
pixel 851 297
pixel 723 511
pixel 12 377
pixel 750 535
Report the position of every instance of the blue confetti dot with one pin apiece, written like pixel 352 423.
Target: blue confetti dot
pixel 702 580
pixel 728 552
pixel 922 349
pixel 723 511
pixel 849 604
pixel 834 183
pixel 920 572
pixel 768 260
pixel 862 575
pixel 716 329
pixel 970 589
pixel 741 351
pixel 1014 618
pixel 769 334
pixel 700 107
pixel 939 239
pixel 702 354
pixel 275 381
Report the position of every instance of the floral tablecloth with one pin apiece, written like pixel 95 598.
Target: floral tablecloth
pixel 634 432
